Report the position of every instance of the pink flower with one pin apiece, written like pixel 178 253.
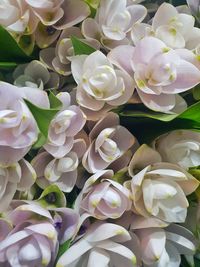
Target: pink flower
pixel 112 22
pixel 100 246
pixel 181 147
pixel 101 87
pixel 19 176
pixel 58 58
pixel 102 198
pixel 45 18
pixel 64 127
pixel 159 72
pixel 159 189
pixel 18 128
pixel 108 142
pixel 163 247
pixel 60 171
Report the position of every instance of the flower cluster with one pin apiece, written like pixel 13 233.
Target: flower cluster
pixel 99 133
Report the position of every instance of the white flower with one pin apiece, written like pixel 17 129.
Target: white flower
pixel 181 147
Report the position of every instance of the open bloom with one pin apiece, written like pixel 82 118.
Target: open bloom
pixel 159 189
pixel 67 123
pixel 102 198
pixel 113 21
pixel 100 246
pixel 59 171
pixel 18 128
pixel 58 58
pixel 19 176
pixel 100 86
pixel 164 247
pixel 181 147
pixel 36 75
pixel 175 29
pixel 108 142
pixel 45 17
pixel 159 72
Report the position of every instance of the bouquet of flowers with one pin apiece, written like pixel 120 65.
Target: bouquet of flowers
pixel 99 133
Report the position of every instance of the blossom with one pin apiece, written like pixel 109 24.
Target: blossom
pixel 102 197
pixel 174 28
pixel 64 220
pixel 100 246
pixel 36 234
pixel 163 247
pixel 101 87
pixel 59 171
pixel 112 22
pixel 45 17
pixel 67 123
pixel 36 75
pixel 181 147
pixel 159 189
pixel 108 142
pixel 19 176
pixel 159 72
pixel 18 128
pixel 58 58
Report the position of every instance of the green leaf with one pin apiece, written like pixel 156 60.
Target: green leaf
pixel 52 197
pixel 7 65
pixel 54 101
pixel 93 3
pixel 147 125
pixel 40 141
pixel 10 50
pixel 43 117
pixel 80 48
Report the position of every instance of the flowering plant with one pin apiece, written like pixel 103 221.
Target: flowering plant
pixel 99 133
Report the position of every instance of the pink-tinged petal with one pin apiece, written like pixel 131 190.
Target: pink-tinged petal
pixel 119 249
pixel 194 5
pixel 146 49
pixel 98 257
pixel 56 15
pixel 140 222
pixel 143 157
pixel 162 102
pixel 77 67
pixel 46 57
pixel 69 224
pixel 72 14
pixel 189 243
pixel 20 25
pixel 105 231
pixel 139 31
pixel 9 155
pixel 12 239
pixel 113 34
pixel 28 176
pixel 108 121
pixel 62 69
pixel 65 98
pixel 40 162
pixel 170 36
pixel 124 63
pixel 137 12
pixel 8 14
pixel 9 193
pixel 188 76
pixel 5 229
pixel 24 212
pixel 67 181
pixel 88 102
pixel 90 29
pixel 70 257
pixel 163 15
pixel 152 244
